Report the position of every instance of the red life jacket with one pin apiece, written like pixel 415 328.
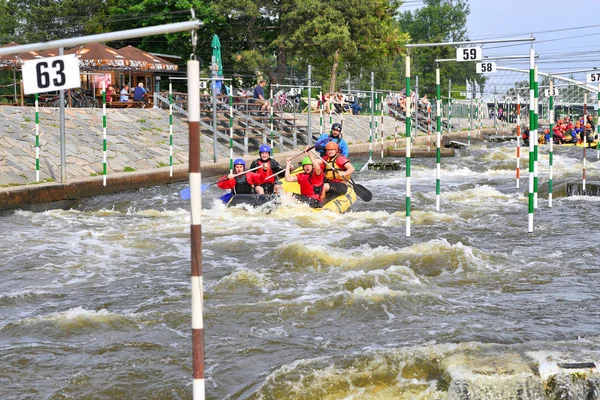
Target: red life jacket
pixel 311 185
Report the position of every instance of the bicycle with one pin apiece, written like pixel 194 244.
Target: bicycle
pixel 282 103
pixel 78 100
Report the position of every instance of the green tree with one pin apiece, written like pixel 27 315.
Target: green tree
pixel 337 37
pixel 130 14
pixel 44 20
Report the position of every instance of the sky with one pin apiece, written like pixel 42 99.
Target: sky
pixel 567 33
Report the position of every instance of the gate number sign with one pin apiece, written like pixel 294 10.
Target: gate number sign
pixel 468 54
pixel 485 67
pixel 50 74
pixel 593 77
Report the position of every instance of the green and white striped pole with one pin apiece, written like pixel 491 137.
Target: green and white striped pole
pixel 231 129
pixel 496 115
pixel 449 105
pixel 396 133
pixel 438 134
pixel 381 105
pixel 532 136
pixel 371 126
pixel 104 132
pixel 551 148
pixel 330 113
pixel 375 109
pixel 320 113
pixel 408 142
pixel 535 137
pixel 37 139
pixel 170 129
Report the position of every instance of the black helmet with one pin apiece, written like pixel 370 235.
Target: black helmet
pixel 336 126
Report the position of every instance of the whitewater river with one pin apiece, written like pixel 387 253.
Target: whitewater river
pixel 95 299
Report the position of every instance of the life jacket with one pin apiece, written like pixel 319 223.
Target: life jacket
pixel 242 186
pixel 331 171
pixel 310 187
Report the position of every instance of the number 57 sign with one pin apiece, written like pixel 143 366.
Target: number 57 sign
pixel 50 74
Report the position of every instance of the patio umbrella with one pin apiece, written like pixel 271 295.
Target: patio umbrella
pixel 98 56
pixel 139 59
pixel 216 65
pixel 15 61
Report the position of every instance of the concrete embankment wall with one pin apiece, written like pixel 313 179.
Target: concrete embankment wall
pixel 137 141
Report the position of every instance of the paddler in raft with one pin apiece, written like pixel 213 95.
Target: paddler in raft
pixel 337 169
pixel 248 183
pixel 312 181
pixel 271 184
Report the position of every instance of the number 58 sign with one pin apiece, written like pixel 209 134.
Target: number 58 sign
pixel 50 74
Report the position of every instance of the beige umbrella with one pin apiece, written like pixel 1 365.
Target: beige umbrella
pixel 139 59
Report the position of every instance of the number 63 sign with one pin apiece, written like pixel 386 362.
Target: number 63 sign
pixel 50 74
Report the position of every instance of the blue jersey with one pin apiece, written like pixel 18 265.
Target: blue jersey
pixel 325 138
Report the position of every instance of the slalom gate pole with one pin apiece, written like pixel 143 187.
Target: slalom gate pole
pixel 395 132
pixel 231 130
pixel 551 147
pixel 320 113
pixel 428 127
pixel 371 126
pixel 193 68
pixel 103 133
pixel 376 108
pixel 496 115
pixel 37 139
pixel 584 137
pixel 408 143
pixel 532 136
pixel 170 129
pixel 535 142
pixel 271 115
pixel 438 135
pixel 518 139
pixel 381 105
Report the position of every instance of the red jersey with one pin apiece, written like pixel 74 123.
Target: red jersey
pixel 243 184
pixel 310 184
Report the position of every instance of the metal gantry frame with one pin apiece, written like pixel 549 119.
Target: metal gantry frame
pixel 408 106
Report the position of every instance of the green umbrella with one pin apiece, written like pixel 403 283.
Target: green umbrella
pixel 216 55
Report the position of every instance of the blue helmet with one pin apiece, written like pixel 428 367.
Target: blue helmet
pixel 264 149
pixel 239 161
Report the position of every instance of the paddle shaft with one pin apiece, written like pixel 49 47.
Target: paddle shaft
pixel 296 156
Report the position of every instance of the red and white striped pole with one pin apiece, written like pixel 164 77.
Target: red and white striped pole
pixel 584 137
pixel 193 68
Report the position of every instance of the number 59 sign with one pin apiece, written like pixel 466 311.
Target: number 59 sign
pixel 50 74
pixel 468 54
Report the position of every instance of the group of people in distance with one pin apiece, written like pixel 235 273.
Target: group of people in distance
pixel 566 132
pixel 326 171
pixel 139 93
